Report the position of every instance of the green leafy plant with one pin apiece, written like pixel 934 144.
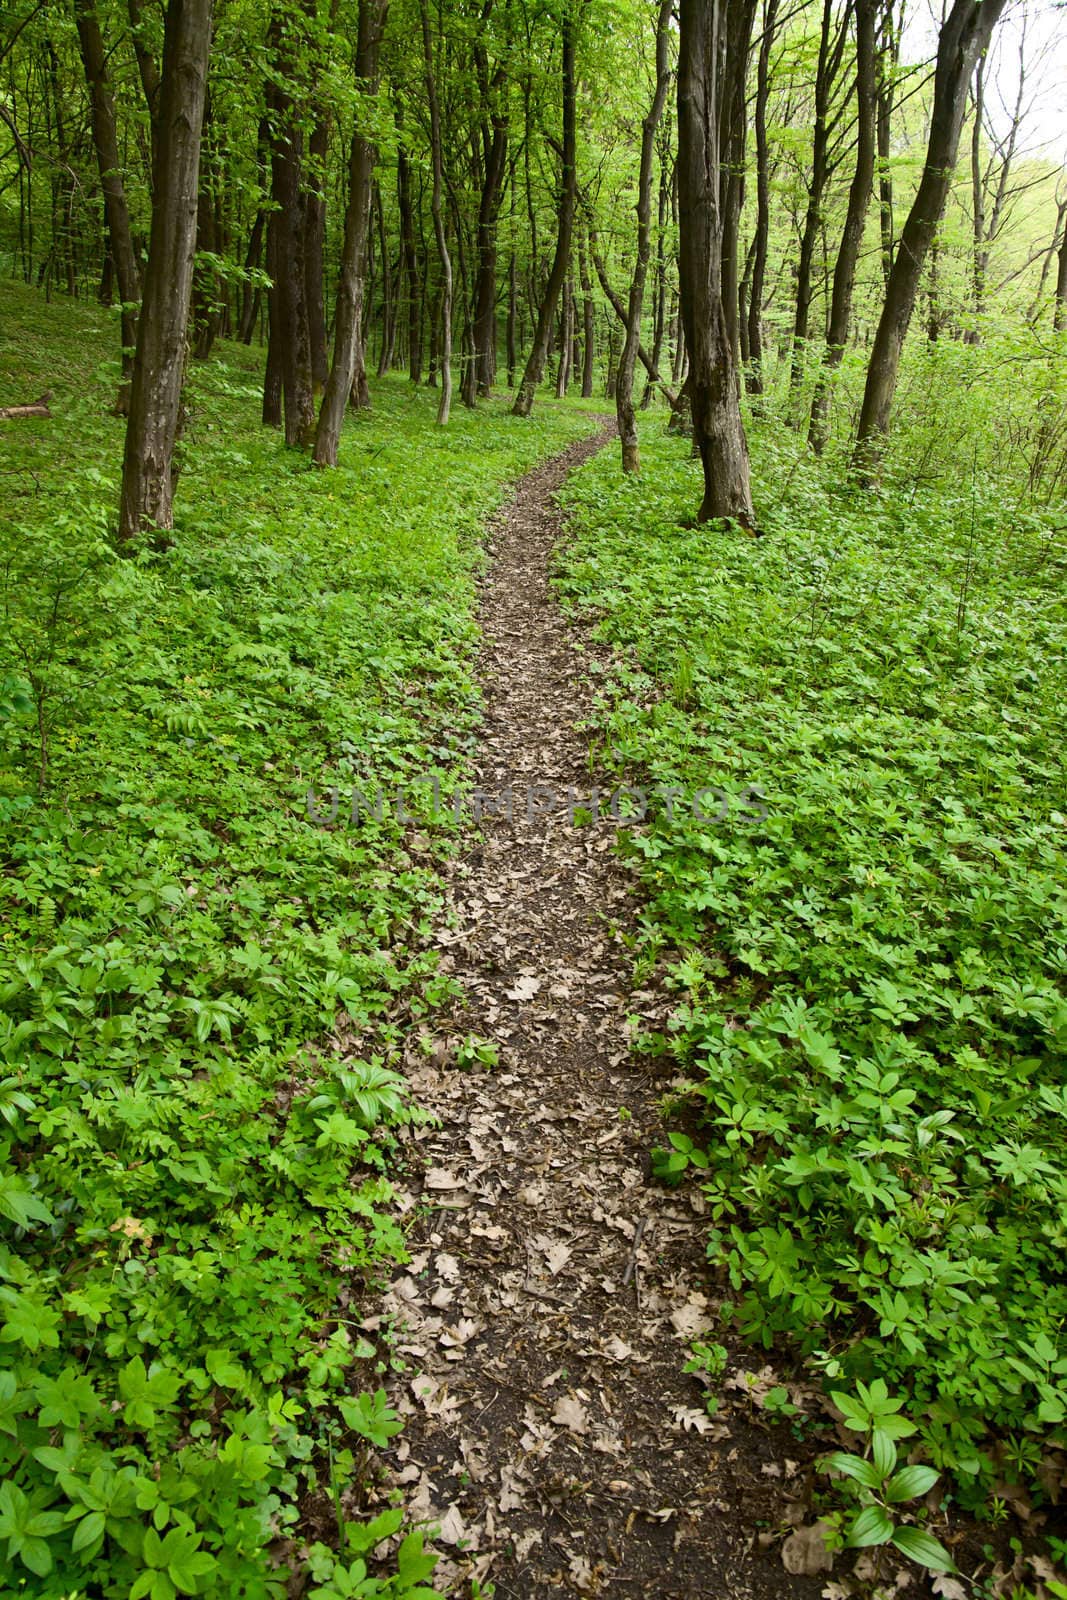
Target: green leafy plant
pixel 878 1483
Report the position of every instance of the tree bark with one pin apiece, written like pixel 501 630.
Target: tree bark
pixel 289 321
pixel 754 374
pixel 859 196
pixel 831 49
pixel 588 324
pixel 159 363
pixel 494 159
pixel 348 316
pixel 963 39
pixel 888 57
pixel 624 383
pixel 411 263
pixel 712 58
pixel 109 161
pixel 1059 315
pixel 568 195
pixel 444 354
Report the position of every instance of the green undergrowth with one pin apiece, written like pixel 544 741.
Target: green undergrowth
pixel 200 988
pixel 871 1021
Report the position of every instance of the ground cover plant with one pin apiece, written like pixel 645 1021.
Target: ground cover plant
pixel 194 1190
pixel 871 1022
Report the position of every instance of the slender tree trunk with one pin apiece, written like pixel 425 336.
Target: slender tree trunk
pixel 888 58
pixel 859 196
pixel 389 306
pixel 495 143
pixel 159 363
pixel 616 302
pixel 289 320
pixel 964 38
pixel 624 383
pixel 509 335
pixel 712 58
pixel 314 243
pixel 535 365
pixel 659 324
pixel 348 315
pixel 754 373
pixel 411 264
pixel 205 283
pixel 1059 315
pixel 437 210
pixel 588 323
pixel 109 162
pixel 831 47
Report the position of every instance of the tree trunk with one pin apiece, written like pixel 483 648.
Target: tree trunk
pixel 348 316
pixel 588 324
pixel 888 57
pixel 156 384
pixel 859 196
pixel 624 383
pixel 754 375
pixel 205 284
pixel 289 321
pixel 495 145
pixel 712 57
pixel 831 48
pixel 109 161
pixel 568 195
pixel 314 241
pixel 1059 315
pixel 411 264
pixel 444 406
pixel 964 38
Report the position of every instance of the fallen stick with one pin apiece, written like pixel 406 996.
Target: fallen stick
pixel 32 408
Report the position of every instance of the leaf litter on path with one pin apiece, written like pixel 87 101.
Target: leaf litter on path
pixel 551 1433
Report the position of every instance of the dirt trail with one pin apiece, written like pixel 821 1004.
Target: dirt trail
pixel 549 1426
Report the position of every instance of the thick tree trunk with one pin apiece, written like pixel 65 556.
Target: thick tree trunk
pixel 963 39
pixel 754 374
pixel 859 196
pixel 159 363
pixel 444 405
pixel 348 316
pixel 546 315
pixel 624 383
pixel 712 57
pixel 109 161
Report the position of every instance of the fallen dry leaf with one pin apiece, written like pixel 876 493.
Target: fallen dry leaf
pixel 804 1553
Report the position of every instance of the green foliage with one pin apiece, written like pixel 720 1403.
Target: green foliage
pixel 198 1057
pixel 878 1485
pixel 870 1015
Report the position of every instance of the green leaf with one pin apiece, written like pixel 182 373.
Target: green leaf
pixel 864 1472
pixel 89 1530
pixel 872 1526
pixel 371 1417
pixel 910 1483
pixel 884 1452
pixel 920 1546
